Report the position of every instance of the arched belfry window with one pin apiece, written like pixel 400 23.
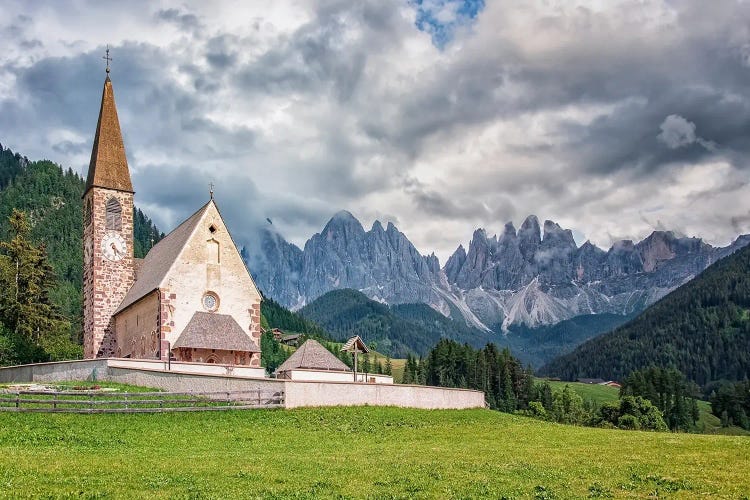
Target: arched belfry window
pixel 114 215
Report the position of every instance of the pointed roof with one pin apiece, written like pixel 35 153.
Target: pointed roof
pixel 108 167
pixel 160 258
pixel 215 331
pixel 355 344
pixel 313 356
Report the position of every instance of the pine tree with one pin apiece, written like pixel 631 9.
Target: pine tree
pixel 366 365
pixel 36 329
pixel 388 366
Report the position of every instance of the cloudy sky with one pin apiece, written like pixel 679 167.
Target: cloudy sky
pixel 611 118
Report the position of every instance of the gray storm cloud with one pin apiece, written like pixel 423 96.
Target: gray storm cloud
pixel 588 114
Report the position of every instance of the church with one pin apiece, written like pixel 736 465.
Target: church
pixel 190 299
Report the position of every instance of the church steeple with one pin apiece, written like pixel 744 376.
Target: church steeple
pixel 108 167
pixel 108 269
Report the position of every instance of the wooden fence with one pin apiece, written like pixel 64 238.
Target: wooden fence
pixel 137 402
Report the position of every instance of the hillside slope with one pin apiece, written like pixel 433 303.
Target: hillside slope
pixel 395 330
pixel 702 329
pixel 51 197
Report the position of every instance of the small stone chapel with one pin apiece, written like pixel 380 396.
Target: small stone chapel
pixel 190 299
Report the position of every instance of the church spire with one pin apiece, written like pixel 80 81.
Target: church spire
pixel 108 167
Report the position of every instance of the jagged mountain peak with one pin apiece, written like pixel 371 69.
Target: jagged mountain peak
pixel 343 218
pixel 556 234
pixel 622 246
pixel 587 245
pixel 487 282
pixel 531 222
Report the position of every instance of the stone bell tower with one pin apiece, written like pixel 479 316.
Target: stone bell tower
pixel 107 230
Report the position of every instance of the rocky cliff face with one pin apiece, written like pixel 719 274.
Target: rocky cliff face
pixel 535 275
pixel 380 262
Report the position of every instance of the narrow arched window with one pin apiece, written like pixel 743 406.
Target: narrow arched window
pixel 87 213
pixel 213 251
pixel 114 215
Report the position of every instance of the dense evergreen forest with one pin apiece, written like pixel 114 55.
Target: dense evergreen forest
pixel 731 403
pixel 510 387
pixel 51 199
pixel 701 329
pixel 395 330
pixel 668 390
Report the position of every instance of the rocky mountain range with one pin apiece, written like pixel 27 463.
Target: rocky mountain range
pixel 532 276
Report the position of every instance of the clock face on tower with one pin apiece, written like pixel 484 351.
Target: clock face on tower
pixel 113 246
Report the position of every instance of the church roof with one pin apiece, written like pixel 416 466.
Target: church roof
pixel 159 260
pixel 108 167
pixel 215 331
pixel 313 356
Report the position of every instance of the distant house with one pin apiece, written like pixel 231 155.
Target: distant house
pixel 314 363
pixel 612 383
pixel 292 340
pixel 594 381
pixel 277 334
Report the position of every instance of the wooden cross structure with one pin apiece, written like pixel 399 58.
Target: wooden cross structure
pixel 355 345
pixel 107 58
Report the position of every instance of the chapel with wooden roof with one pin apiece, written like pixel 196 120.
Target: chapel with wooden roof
pixel 190 299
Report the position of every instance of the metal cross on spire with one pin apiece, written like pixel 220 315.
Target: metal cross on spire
pixel 107 58
pixel 211 190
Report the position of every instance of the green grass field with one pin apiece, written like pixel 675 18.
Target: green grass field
pixel 597 393
pixel 357 452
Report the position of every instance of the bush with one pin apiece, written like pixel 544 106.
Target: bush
pixel 629 422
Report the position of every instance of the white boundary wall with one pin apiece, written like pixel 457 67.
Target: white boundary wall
pixel 299 394
pixel 296 393
pixel 180 366
pixel 300 374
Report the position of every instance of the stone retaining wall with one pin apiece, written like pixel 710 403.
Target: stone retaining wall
pixel 296 393
pixel 88 369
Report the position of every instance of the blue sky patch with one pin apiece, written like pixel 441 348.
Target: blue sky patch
pixel 440 18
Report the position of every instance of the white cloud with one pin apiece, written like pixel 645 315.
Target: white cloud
pixel 677 132
pixel 298 109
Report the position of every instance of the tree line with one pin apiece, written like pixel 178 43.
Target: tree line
pixel 650 399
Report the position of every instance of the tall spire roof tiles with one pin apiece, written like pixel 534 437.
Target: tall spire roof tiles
pixel 108 167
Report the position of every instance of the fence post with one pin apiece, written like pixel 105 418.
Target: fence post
pixel 18 400
pixel 54 401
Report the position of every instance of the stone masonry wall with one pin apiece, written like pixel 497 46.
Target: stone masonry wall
pixel 137 329
pixel 105 282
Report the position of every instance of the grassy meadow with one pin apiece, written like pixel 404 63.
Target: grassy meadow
pixel 357 452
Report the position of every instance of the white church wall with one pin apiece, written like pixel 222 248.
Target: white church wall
pixel 193 275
